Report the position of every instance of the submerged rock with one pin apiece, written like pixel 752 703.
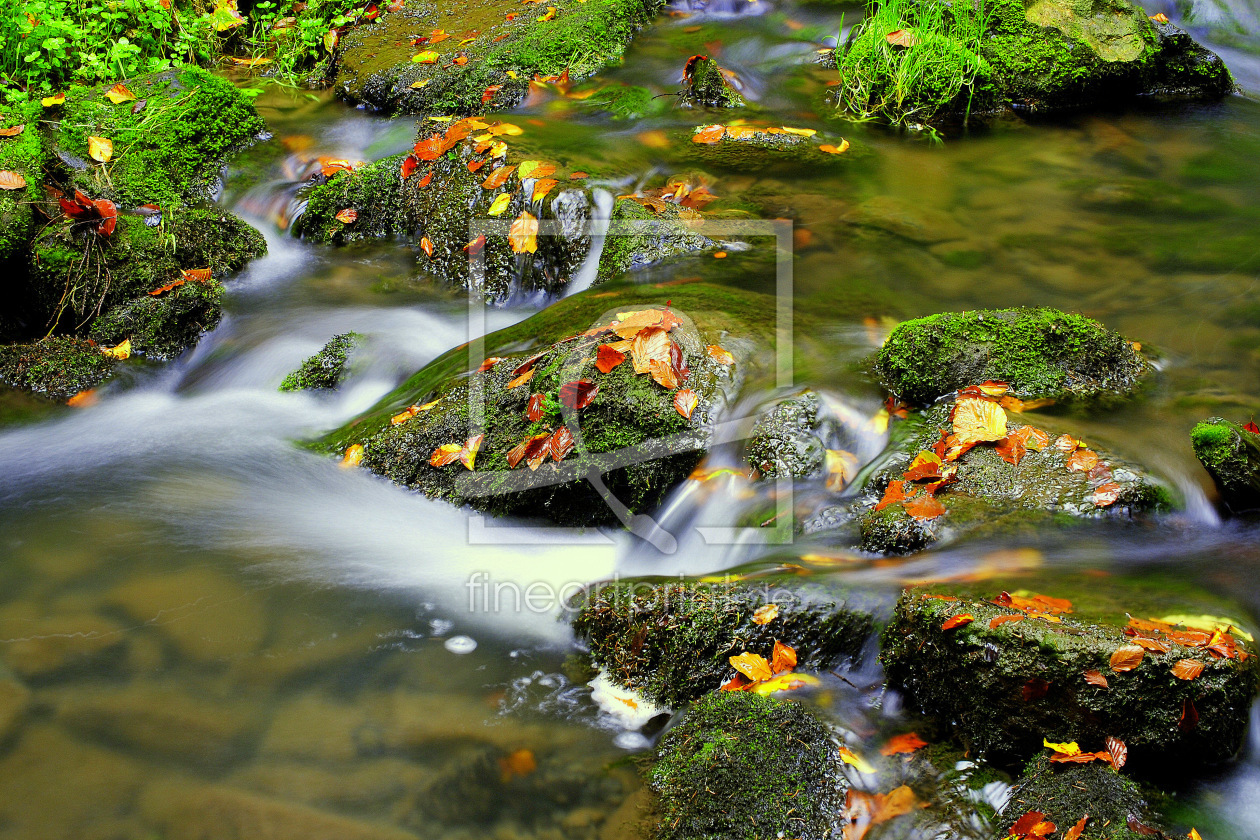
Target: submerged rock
pixel 1029 667
pixel 707 87
pixel 744 766
pixel 1039 353
pixel 630 443
pixel 510 46
pixel 1064 793
pixel 326 370
pixel 672 642
pixel 1231 454
pixel 785 441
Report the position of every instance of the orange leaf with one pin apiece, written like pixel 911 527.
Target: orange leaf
pixel 174 284
pixel 12 131
pixel 424 182
pixel 498 178
pixel 783 658
pixel 1075 831
pixel 1106 494
pixel 663 373
pixel 1096 678
pixel 1012 449
pixel 468 454
pixel 447 453
pixel 489 363
pixel 765 614
pixel 1083 460
pixel 1118 751
pixel 607 358
pixel 977 420
pixel 347 216
pixel 708 135
pixel 651 344
pixel 998 621
pixel 958 621
pixel 119 94
pixel 10 180
pixel 1151 645
pixel 474 165
pixel 427 244
pixel 1126 658
pixel 1187 669
pixel 353 456
pixel 895 493
pixel 535 410
pixel 476 246
pixel 83 399
pixel 523 235
pixel 522 379
pixel 902 38
pixel 925 508
pixel 1066 443
pixel 755 667
pixel 543 186
pixel 905 743
pixel 685 402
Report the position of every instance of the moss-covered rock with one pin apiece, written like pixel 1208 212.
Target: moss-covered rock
pixel 784 442
pixel 326 370
pixel 512 45
pixel 988 495
pixel 743 767
pixel 24 154
pixel 435 206
pixel 631 432
pixel 1039 353
pixel 755 148
pixel 706 87
pixel 672 641
pixel 1231 455
pixel 57 367
pixel 1064 793
pixel 1005 687
pixel 163 326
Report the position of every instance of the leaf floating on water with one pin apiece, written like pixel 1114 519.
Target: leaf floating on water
pixel 840 467
pixel 1126 658
pixel 1096 678
pixel 958 621
pixel 119 94
pixel 925 508
pixel 578 394
pixel 685 402
pixel 10 180
pixel 708 135
pixel 347 216
pixel 447 453
pixel 902 744
pixel 607 358
pixel 848 756
pixel 100 149
pixel 523 235
pixel 353 456
pixel 755 667
pixel 765 614
pixel 1187 669
pixel 119 351
pixel 468 454
pixel 561 443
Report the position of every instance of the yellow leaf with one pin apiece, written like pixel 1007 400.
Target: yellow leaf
pixel 835 150
pixel 765 614
pixel 468 454
pixel 426 57
pixel 500 204
pixel 419 83
pixel 509 129
pixel 1066 748
pixel 119 94
pixel 100 149
pixel 848 756
pixel 353 456
pixel 841 466
pixel 977 420
pixel 784 682
pixel 523 235
pixel 527 168
pixel 543 186
pixel 755 667
pixel 55 99
pixel 803 132
pixel 120 351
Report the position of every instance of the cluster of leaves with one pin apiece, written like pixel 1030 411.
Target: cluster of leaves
pixel 979 417
pixel 741 130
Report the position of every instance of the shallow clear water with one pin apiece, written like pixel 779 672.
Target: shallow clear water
pixel 203 611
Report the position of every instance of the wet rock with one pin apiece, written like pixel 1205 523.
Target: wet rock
pixel 904 220
pixel 706 86
pixel 785 441
pixel 672 642
pixel 312 728
pixel 740 765
pixel 204 615
pixel 15 699
pixel 160 719
pixel 435 206
pixel 41 646
pixel 1049 55
pixel 36 802
pixel 58 367
pixel 987 495
pixel 632 818
pixel 326 370
pixel 193 812
pixel 375 63
pixel 631 433
pixel 1066 792
pixel 1040 353
pixel 1006 687
pixel 755 148
pixel 1231 455
pixel 21 406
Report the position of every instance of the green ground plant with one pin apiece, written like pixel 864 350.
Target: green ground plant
pixel 910 61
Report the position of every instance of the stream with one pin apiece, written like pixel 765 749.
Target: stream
pixel 202 608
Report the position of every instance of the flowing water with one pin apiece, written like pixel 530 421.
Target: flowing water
pixel 210 627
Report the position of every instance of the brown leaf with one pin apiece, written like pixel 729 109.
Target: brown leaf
pixel 1075 831
pixel 606 358
pixel 561 443
pixel 1152 645
pixel 1187 669
pixel 476 246
pixel 925 508
pixel 498 178
pixel 535 410
pixel 578 394
pixel 958 621
pixel 1082 460
pixel 522 379
pixel 663 373
pixel 10 180
pixel 650 343
pixel 685 402
pixel 12 131
pixel 447 453
pixel 1096 678
pixel 1012 449
pixel 902 38
pixel 1189 716
pixel 1126 658
pixel 537 450
pixel 1035 689
pixel 517 452
pixel 1106 494
pixel 1118 751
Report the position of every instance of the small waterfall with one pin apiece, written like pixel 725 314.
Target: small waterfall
pixel 601 213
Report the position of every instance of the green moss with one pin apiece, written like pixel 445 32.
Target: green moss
pixel 743 767
pixel 627 247
pixel 170 153
pixel 375 65
pixel 161 327
pixel 26 155
pixel 1065 793
pixel 673 640
pixel 1231 455
pixel 706 87
pixel 785 441
pixel 1038 352
pixel 1008 687
pixel 326 370
pixel 58 367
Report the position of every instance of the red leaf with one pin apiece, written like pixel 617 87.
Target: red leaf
pixel 1118 751
pixel 476 246
pixel 1012 449
pixel 424 182
pixel 957 621
pixel 527 365
pixel 895 493
pixel 1025 824
pixel 1252 427
pixel 578 394
pixel 607 358
pixel 489 93
pixel 409 164
pixel 561 443
pixel 1002 619
pixel 535 409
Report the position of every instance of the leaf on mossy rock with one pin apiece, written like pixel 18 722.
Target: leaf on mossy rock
pixel 10 180
pixel 895 493
pixel 347 216
pixel 353 456
pixel 120 351
pixel 12 131
pixel 752 666
pixel 607 358
pixel 978 420
pixel 1075 831
pixel 765 614
pixel 959 620
pixel 1187 669
pixel 100 149
pixel 902 38
pixel 447 453
pixel 523 235
pixel 708 135
pixel 535 410
pixel 783 658
pixel 925 508
pixel 561 443
pixel 1126 658
pixel 1096 678
pixel 578 394
pixel 685 402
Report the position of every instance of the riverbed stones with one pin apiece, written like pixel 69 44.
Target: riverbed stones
pixel 1231 455
pixel 629 436
pixel 41 646
pixel 379 65
pixel 672 641
pixel 744 766
pixel 1010 669
pixel 1039 353
pixel 706 86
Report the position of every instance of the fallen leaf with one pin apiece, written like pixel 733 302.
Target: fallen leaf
pixel 523 235
pixel 561 443
pixel 83 399
pixel 803 132
pixel 1160 18
pixel 663 373
pixel 1096 678
pixel 1118 751
pixel 1250 427
pixel 55 99
pixel 550 14
pixel 499 204
pixel 424 182
pixel 765 614
pixel 895 493
pixel 522 379
pixel 902 38
pixel 543 186
pixel 1035 689
pixel 840 468
pixel 959 620
pixel 330 40
pixel 848 756
pixel 607 358
pixel 1106 494
pixel 905 743
pixel 783 658
pixel 578 394
pixel 1187 669
pixel 119 351
pixel 1066 443
pixel 425 57
pixel 685 402
pixel 518 763
pixel 925 508
pixel 460 60
pixel 475 247
pixel 523 448
pixel 1151 645
pixel 12 131
pixel 835 150
pixel 978 420
pixel 708 135
pixel 353 456
pixel 1126 658
pixel 1075 831
pixel 119 94
pixel 1012 449
pixel 489 93
pixel 755 667
pixel 447 453
pixel 650 344
pixel 535 410
pixel 998 621
pixel 100 149
pixel 488 363
pixel 1082 460
pixel 427 244
pixel 347 216
pixel 534 169
pixel 1028 823
pixel 474 165
pixel 468 454
pixel 10 180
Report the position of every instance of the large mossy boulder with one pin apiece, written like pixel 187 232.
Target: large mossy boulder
pixel 1058 480
pixel 672 641
pixel 511 44
pixel 1231 455
pixel 744 767
pixel 630 431
pixel 1113 804
pixel 1039 353
pixel 1117 658
pixel 1027 55
pixel 433 204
